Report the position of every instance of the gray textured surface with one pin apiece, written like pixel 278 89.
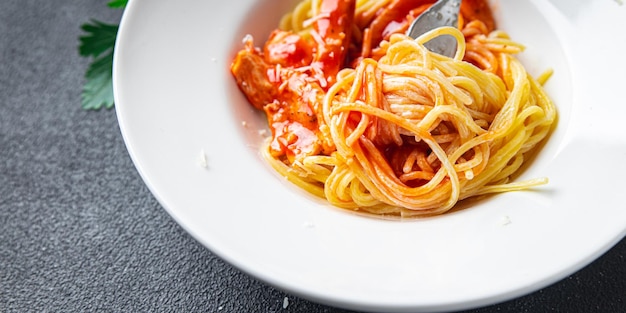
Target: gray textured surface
pixel 80 232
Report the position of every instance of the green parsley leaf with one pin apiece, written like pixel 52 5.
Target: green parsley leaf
pixel 98 43
pixel 98 89
pixel 100 37
pixel 118 3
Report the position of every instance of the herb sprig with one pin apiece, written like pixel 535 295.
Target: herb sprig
pixel 97 43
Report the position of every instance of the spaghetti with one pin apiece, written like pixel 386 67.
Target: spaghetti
pixel 402 130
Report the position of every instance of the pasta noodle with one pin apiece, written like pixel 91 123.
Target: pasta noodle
pixel 412 132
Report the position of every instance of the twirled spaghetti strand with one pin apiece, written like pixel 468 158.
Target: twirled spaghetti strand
pixel 416 132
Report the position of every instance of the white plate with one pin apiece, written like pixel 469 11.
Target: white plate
pixel 195 140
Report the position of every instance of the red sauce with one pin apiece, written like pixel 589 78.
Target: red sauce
pixel 289 76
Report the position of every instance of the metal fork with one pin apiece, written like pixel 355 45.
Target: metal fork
pixel 442 13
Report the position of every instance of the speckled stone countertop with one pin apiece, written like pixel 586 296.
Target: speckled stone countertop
pixel 79 230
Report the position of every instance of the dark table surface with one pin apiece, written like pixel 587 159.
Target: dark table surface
pixel 80 232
